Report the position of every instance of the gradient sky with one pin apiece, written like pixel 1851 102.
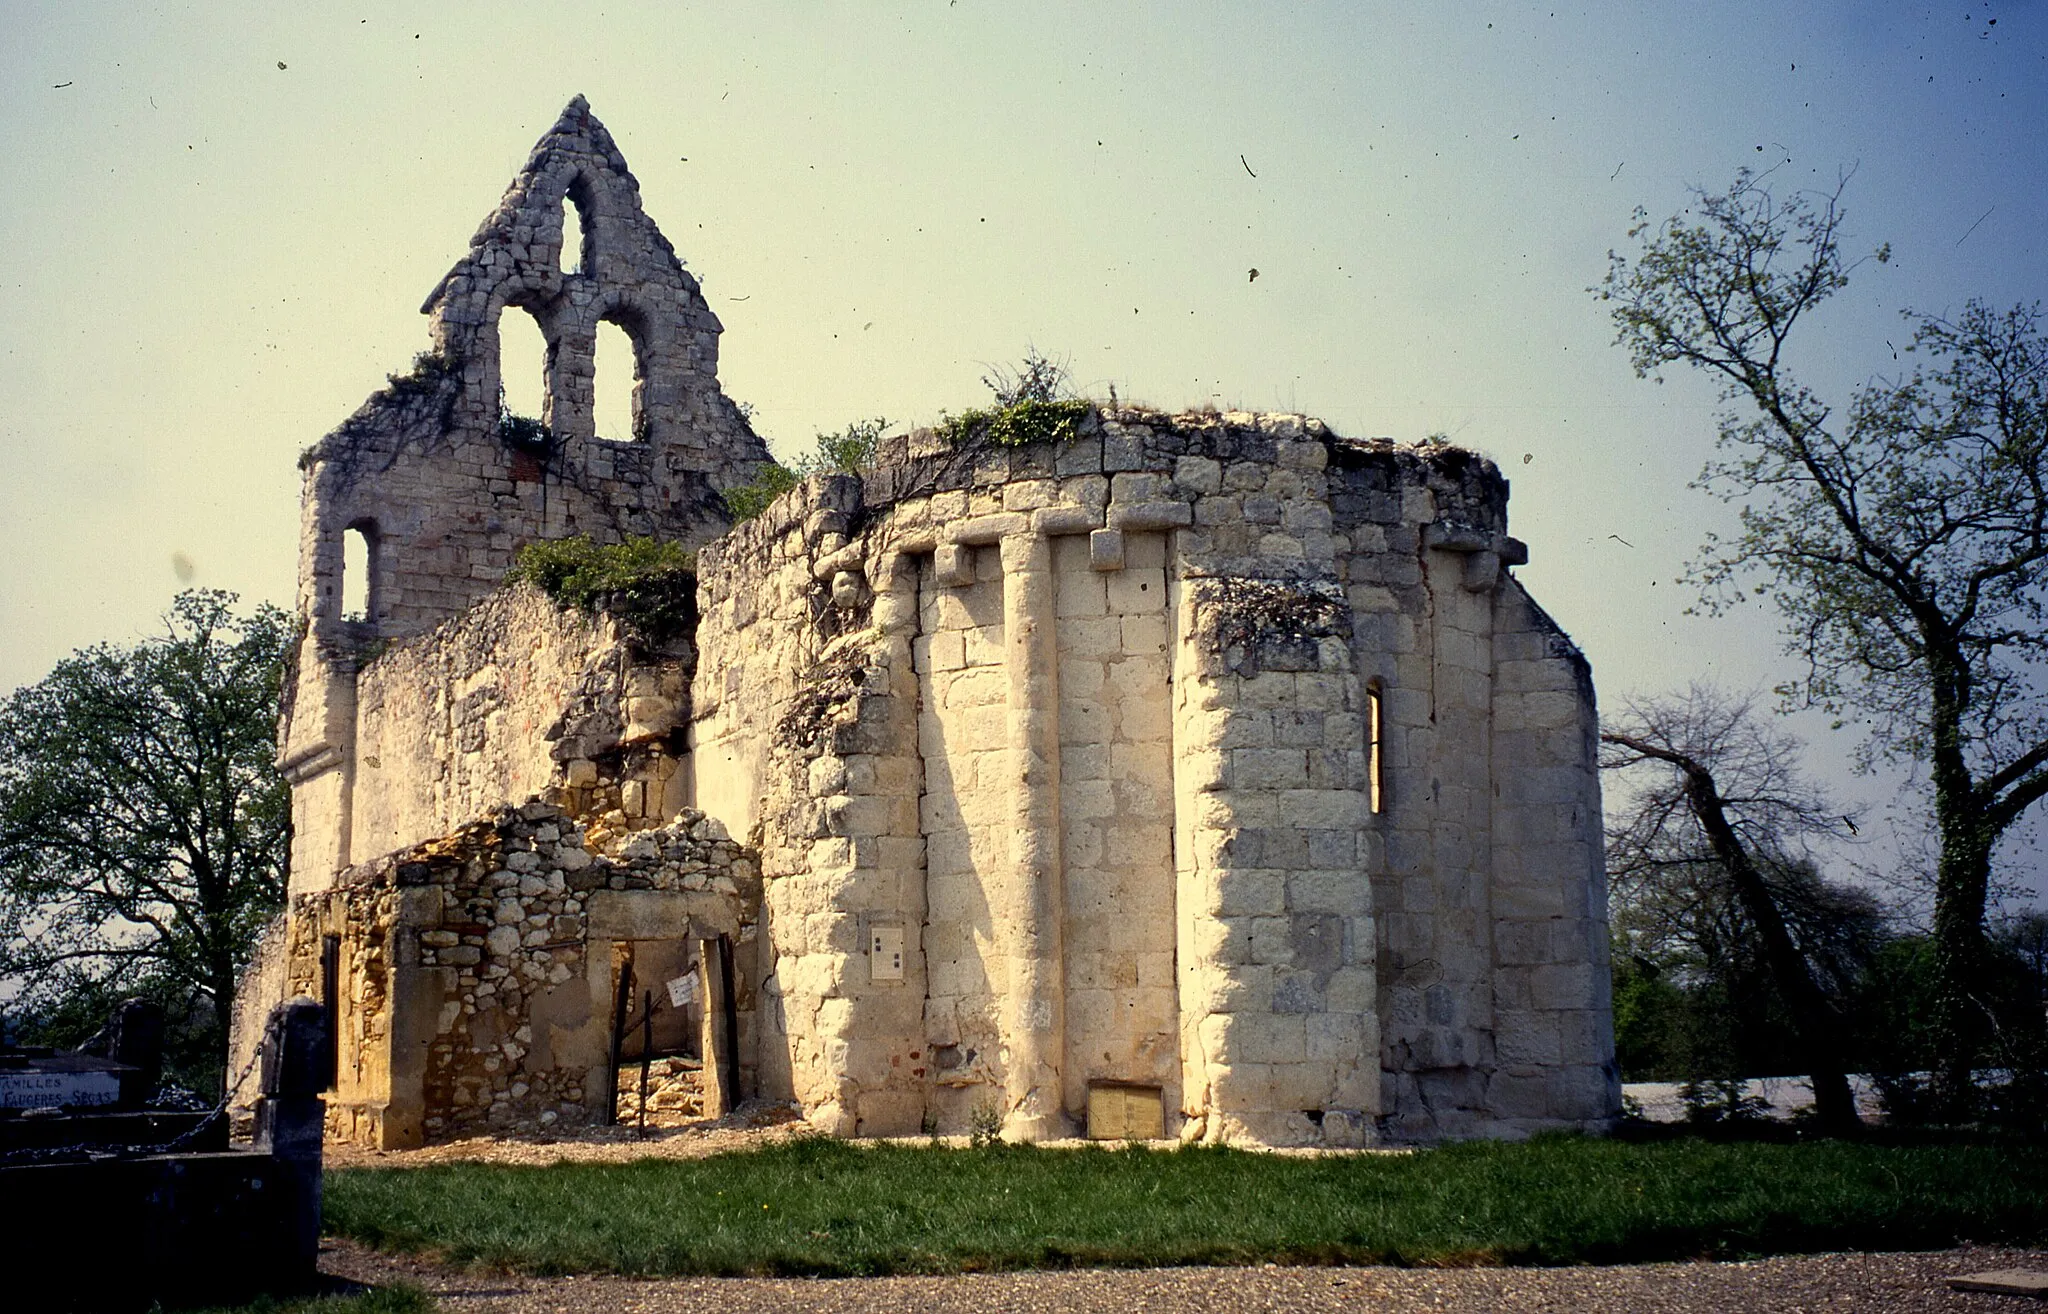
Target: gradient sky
pixel 218 221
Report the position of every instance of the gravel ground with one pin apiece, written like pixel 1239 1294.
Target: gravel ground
pixel 747 1130
pixel 1905 1282
pixel 743 1131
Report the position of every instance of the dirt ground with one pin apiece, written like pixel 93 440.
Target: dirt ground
pixel 749 1129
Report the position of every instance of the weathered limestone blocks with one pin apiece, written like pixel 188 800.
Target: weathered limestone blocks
pixel 515 698
pixel 1206 774
pixel 1230 767
pixel 440 489
pixel 476 973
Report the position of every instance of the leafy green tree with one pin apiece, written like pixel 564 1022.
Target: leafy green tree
pixel 1903 538
pixel 144 829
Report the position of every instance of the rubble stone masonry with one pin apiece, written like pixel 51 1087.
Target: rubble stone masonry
pixel 1205 774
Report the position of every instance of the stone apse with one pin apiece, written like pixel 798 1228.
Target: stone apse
pixel 1201 775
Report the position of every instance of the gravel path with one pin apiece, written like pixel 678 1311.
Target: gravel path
pixel 1831 1283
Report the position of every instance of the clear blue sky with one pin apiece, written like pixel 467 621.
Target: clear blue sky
pixel 218 221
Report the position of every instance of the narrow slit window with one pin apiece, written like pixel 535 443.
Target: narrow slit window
pixel 1375 747
pixel 614 367
pixel 355 574
pixel 522 365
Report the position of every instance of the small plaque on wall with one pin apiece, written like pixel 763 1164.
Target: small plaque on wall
pixel 885 953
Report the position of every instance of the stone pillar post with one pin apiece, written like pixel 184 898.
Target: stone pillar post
pixel 1032 924
pixel 290 1120
pixel 136 1037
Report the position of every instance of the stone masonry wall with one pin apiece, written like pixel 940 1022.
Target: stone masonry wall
pixel 1552 986
pixel 516 697
pixel 443 494
pixel 806 740
pixel 1136 679
pixel 423 469
pixel 478 970
pixel 1460 659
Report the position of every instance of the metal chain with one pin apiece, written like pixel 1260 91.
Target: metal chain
pixel 64 1153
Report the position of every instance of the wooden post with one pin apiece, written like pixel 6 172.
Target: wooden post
pixel 646 1053
pixel 620 1001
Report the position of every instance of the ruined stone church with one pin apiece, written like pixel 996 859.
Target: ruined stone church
pixel 1202 776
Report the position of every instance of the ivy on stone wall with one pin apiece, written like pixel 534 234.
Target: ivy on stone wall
pixel 647 584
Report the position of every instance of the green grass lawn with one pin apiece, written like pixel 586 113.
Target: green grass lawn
pixel 826 1207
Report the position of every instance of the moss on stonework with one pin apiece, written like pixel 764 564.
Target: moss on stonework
pixel 647 584
pixel 1259 625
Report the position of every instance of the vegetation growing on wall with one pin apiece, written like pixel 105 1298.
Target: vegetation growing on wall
pixel 647 584
pixel 850 451
pixel 1034 403
pixel 1019 423
pixel 1257 625
pixel 817 707
pixel 428 370
pixel 524 433
pixel 750 499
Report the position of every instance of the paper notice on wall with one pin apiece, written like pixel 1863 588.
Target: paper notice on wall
pixel 683 990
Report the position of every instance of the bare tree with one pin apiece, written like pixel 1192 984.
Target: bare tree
pixel 1721 822
pixel 1903 538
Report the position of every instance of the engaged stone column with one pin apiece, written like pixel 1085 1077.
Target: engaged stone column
pixel 1038 1027
pixel 290 1119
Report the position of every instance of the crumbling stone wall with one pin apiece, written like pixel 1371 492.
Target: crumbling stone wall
pixel 1228 675
pixel 443 492
pixel 477 971
pixel 518 698
pixel 1207 772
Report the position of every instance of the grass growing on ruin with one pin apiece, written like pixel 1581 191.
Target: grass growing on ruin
pixel 829 1208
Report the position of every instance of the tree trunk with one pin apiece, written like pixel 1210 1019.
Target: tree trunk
pixel 1961 885
pixel 1819 1025
pixel 1962 880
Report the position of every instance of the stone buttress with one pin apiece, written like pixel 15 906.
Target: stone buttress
pixel 1208 774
